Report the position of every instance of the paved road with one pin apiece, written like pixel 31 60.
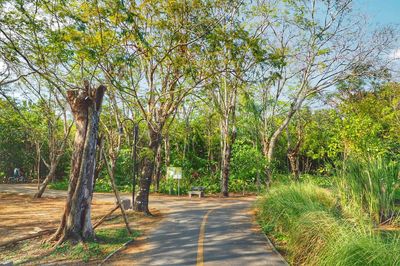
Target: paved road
pixel 210 231
pixel 206 232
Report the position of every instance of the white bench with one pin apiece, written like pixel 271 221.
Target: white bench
pixel 196 191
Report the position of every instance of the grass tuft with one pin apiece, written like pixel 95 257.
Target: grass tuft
pixel 310 225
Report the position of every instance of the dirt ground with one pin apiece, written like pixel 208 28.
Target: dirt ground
pixel 21 215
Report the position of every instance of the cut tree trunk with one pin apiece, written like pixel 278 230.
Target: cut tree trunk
pixel 76 224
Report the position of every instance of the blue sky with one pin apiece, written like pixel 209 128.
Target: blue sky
pixel 380 12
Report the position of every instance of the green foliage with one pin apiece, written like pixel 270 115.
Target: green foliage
pixel 61 184
pixel 371 185
pixel 170 186
pixel 14 142
pixel 247 162
pixel 102 185
pixel 308 223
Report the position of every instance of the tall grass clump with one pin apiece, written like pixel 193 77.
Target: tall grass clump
pixel 371 186
pixel 310 226
pixel 360 249
pixel 311 234
pixel 284 204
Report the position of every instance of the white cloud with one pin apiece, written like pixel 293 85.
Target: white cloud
pixel 395 54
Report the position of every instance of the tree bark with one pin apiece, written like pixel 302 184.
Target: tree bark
pixel 99 160
pixel 167 150
pixel 49 177
pixel 157 171
pixel 225 168
pixel 293 156
pixel 274 139
pixel 76 224
pixel 111 172
pixel 271 142
pixel 228 139
pixel 148 162
pixel 293 152
pixel 38 159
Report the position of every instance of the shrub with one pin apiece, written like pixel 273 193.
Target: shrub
pixel 59 184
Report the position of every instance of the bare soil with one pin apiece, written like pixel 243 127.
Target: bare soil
pixel 21 215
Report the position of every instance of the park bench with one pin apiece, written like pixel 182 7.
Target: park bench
pixel 196 191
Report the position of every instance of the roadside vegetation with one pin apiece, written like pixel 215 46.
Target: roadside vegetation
pixel 350 223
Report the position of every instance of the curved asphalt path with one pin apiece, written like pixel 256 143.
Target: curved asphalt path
pixel 229 236
pixel 207 231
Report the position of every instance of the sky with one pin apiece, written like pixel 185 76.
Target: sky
pixel 380 12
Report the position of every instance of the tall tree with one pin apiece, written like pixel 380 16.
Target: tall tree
pixel 313 45
pixel 233 52
pixel 63 44
pixel 86 107
pixel 163 46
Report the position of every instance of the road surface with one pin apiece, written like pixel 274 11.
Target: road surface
pixel 208 231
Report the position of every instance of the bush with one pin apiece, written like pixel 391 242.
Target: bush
pixel 102 185
pixel 61 184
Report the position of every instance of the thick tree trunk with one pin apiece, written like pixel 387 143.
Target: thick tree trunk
pixel 76 224
pixel 293 154
pixel 267 170
pixel 269 144
pixel 275 137
pixel 148 162
pixel 296 105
